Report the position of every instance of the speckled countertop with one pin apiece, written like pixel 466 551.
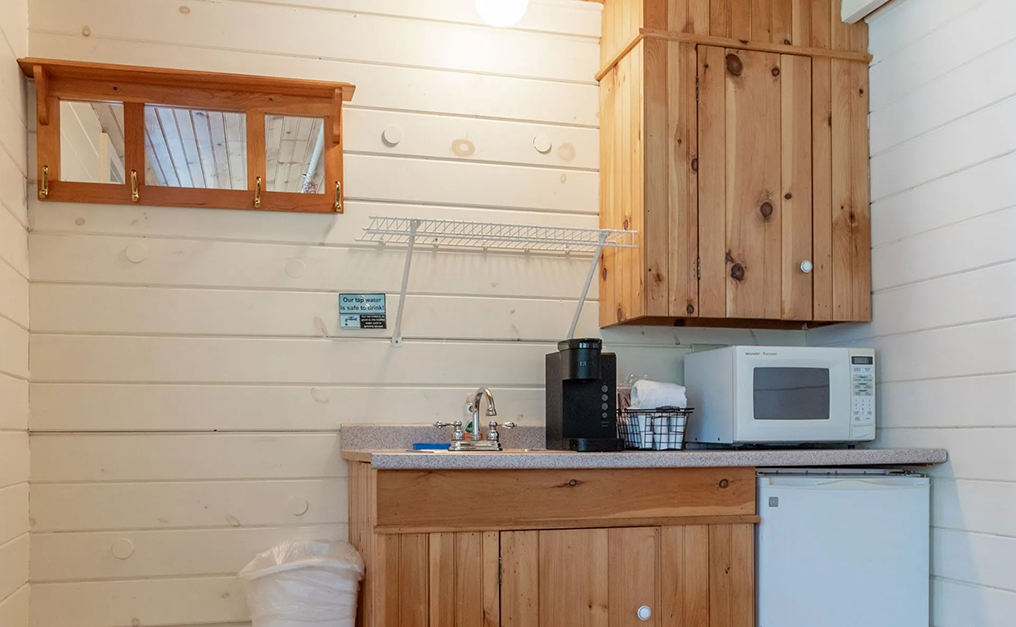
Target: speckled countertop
pixel 519 459
pixel 386 447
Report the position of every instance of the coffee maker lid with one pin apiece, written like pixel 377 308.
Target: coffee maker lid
pixel 580 343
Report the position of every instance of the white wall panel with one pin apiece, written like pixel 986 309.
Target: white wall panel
pixel 974 558
pixel 961 37
pixel 158 602
pixel 200 263
pixel 14 453
pixel 165 457
pixel 943 140
pixel 14 322
pixel 987 507
pixel 981 189
pixel 552 16
pixel 14 610
pixel 945 150
pixel 158 407
pixel 89 556
pixel 162 505
pixel 13 295
pixel 984 81
pixel 378 86
pixel 13 565
pixel 288 31
pixel 269 226
pixel 974 453
pixel 13 403
pixel 956 604
pixel 13 512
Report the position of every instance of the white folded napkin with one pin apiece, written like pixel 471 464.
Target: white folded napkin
pixel 646 394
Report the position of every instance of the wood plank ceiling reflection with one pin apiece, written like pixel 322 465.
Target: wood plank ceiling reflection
pixel 208 149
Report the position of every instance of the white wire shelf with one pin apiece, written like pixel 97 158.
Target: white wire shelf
pixel 487 235
pixel 493 235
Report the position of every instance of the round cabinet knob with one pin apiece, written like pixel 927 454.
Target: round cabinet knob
pixel 807 267
pixel 645 613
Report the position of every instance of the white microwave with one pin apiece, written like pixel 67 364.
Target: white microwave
pixel 780 395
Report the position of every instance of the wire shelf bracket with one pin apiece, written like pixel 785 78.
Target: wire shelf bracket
pixel 462 234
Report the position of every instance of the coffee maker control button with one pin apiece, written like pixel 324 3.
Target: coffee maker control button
pixel 604 389
pixel 604 406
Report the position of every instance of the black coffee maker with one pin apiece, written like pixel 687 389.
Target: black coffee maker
pixel 582 397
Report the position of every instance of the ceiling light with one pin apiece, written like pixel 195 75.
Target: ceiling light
pixel 502 13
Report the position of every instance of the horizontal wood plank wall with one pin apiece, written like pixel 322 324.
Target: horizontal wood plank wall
pixel 14 324
pixel 194 399
pixel 943 91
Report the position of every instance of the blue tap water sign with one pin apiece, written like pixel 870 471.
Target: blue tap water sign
pixel 362 311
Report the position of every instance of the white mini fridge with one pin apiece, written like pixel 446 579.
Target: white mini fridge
pixel 843 549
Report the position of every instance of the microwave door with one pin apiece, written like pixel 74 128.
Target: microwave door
pixel 793 401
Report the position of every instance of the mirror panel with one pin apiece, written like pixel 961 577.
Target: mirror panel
pixel 91 142
pixel 295 154
pixel 195 148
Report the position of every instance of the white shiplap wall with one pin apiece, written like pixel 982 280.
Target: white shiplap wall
pixel 190 403
pixel 14 329
pixel 943 144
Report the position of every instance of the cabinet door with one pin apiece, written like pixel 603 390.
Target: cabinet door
pixel 579 578
pixel 707 575
pixel 436 580
pixel 755 191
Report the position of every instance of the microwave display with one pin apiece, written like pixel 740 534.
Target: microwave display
pixel 791 393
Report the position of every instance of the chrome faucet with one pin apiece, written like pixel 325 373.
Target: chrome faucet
pixel 491 410
pixel 477 441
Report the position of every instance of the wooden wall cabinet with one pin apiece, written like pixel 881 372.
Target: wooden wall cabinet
pixel 734 139
pixel 555 548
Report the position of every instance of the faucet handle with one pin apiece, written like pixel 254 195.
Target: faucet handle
pixel 458 434
pixel 493 434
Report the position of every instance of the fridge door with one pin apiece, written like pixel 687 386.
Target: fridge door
pixel 843 551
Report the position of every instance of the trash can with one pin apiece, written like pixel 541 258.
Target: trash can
pixel 308 583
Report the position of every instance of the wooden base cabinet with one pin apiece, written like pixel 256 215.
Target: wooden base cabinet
pixel 654 555
pixel 735 142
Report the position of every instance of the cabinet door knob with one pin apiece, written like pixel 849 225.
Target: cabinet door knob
pixel 645 613
pixel 807 266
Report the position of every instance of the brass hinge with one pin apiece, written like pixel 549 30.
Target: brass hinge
pixel 698 268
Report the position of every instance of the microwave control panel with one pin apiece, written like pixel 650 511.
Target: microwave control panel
pixel 862 379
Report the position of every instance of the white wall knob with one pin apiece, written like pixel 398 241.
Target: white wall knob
pixel 542 144
pixel 392 135
pixel 122 549
pixel 136 253
pixel 645 613
pixel 807 267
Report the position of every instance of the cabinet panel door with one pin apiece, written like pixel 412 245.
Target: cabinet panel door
pixel 707 575
pixel 632 563
pixel 753 181
pixel 579 578
pixel 445 579
pixel 796 196
pixel 573 578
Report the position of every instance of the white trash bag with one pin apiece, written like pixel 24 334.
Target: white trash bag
pixel 306 583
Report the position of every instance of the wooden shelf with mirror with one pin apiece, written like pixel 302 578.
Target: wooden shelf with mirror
pixel 133 135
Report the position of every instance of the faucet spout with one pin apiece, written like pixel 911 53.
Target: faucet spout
pixel 491 410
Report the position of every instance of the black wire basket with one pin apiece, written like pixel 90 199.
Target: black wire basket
pixel 653 429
